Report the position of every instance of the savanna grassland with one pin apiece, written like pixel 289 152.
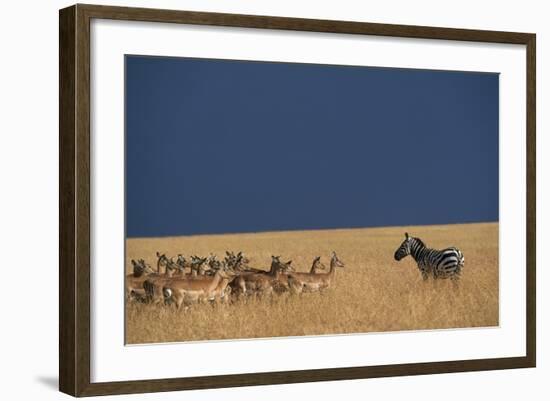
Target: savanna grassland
pixel 372 293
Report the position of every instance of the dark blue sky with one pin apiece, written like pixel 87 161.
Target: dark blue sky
pixel 216 146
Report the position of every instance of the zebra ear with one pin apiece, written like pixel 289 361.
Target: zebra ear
pixel 407 235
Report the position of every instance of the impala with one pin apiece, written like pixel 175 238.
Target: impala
pixel 264 283
pixel 182 262
pixel 310 282
pixel 199 267
pixel 185 291
pixel 134 281
pixel 317 266
pixel 153 284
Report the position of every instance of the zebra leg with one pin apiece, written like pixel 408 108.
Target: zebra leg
pixel 437 277
pixel 454 279
pixel 423 271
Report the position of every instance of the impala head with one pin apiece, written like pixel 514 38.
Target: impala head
pixel 175 265
pixel 204 269
pixel 287 267
pixel 181 260
pixel 138 268
pixel 240 261
pixel 146 266
pixel 244 260
pixel 227 261
pixel 197 264
pixel 317 264
pixel 162 258
pixel 226 271
pixel 275 260
pixel 213 262
pixel 277 265
pixel 164 262
pixel 334 260
pixel 229 255
pixel 405 248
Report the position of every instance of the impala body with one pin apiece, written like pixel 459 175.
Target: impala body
pixel 264 283
pixel 152 285
pixel 185 290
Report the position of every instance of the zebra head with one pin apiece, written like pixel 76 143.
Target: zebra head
pixel 404 249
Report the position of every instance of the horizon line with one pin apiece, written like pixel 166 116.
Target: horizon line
pixel 311 229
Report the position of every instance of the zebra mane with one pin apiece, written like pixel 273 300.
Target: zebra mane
pixel 419 241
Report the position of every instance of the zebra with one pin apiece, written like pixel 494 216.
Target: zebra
pixel 445 263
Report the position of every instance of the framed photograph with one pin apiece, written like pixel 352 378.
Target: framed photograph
pixel 250 200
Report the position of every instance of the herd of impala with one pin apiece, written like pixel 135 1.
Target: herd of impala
pixel 184 282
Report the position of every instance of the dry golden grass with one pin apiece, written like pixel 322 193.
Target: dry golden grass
pixel 372 293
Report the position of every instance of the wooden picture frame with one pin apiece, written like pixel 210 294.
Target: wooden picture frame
pixel 74 200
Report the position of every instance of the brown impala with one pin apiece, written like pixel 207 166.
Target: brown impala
pixel 187 290
pixel 310 282
pixel 153 284
pixel 317 266
pixel 134 281
pixel 264 283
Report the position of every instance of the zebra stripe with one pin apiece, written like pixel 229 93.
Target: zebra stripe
pixel 444 263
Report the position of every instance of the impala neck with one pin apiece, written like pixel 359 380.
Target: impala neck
pixel 158 265
pixel 312 270
pixel 332 267
pixel 215 282
pixel 221 286
pixel 273 269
